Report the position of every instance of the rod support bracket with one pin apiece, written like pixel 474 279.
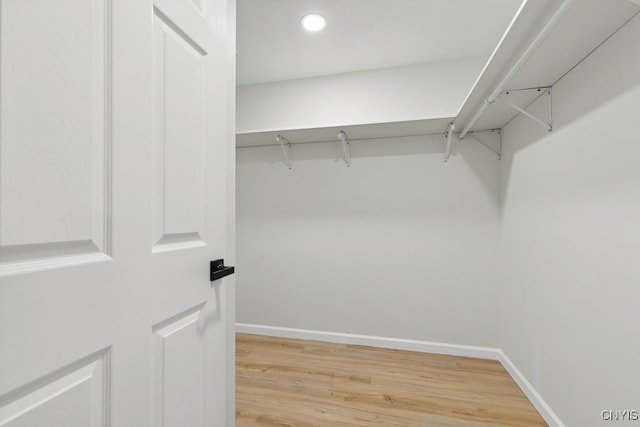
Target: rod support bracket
pixel 449 136
pixel 342 135
pixel 286 150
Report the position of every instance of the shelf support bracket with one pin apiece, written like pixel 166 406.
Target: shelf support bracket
pixel 286 150
pixel 547 125
pixel 482 143
pixel 447 145
pixel 345 147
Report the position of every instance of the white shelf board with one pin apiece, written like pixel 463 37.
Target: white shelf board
pixel 587 24
pixel 354 132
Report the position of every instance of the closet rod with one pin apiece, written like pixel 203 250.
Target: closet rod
pixel 542 35
pixel 350 139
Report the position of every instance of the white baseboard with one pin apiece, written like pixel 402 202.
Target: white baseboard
pixel 534 397
pixel 413 345
pixel 372 341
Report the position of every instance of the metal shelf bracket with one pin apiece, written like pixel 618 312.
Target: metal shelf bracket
pixel 449 136
pixel 548 125
pixel 497 152
pixel 286 150
pixel 345 147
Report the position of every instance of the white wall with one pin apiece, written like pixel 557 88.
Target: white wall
pixel 570 239
pixel 400 244
pixel 395 94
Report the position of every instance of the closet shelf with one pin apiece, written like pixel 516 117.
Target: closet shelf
pixel 586 25
pixel 581 30
pixel 355 132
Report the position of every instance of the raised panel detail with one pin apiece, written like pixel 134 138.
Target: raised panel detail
pixel 54 138
pixel 75 396
pixel 179 203
pixel 179 370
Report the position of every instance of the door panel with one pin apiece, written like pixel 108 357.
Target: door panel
pixel 115 178
pixel 179 370
pixel 75 396
pixel 179 198
pixel 54 139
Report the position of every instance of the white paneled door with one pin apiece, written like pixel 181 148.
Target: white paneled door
pixel 116 190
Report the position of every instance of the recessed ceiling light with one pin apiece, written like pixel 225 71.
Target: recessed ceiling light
pixel 313 22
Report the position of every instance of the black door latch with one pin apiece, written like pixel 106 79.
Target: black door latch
pixel 218 270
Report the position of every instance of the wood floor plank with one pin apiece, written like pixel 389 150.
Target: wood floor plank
pixel 285 382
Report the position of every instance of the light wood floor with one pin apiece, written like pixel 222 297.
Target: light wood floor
pixel 284 382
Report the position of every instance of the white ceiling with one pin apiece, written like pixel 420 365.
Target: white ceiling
pixel 362 35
